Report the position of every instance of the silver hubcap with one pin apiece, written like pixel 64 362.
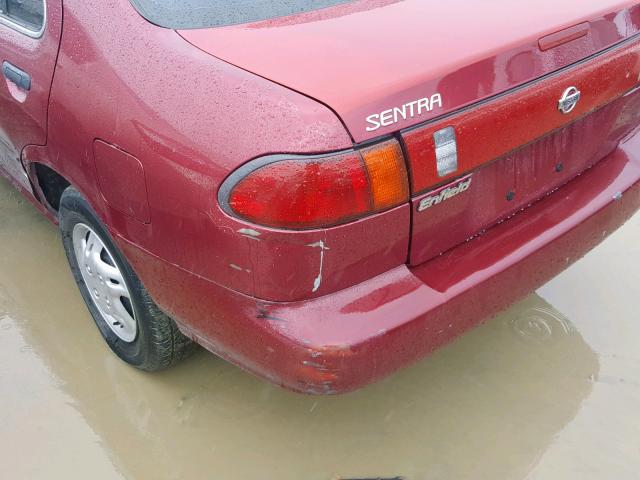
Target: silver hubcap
pixel 105 283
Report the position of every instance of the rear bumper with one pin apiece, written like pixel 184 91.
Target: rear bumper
pixel 343 341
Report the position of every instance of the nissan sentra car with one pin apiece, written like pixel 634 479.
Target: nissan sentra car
pixel 320 192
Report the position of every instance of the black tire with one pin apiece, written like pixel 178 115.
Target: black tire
pixel 158 343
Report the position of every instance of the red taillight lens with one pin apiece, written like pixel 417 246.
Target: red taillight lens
pixel 319 191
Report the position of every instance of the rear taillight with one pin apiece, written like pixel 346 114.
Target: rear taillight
pixel 303 192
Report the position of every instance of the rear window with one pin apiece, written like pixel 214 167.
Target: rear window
pixel 187 14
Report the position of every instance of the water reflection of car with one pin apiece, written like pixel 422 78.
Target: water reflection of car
pixel 304 198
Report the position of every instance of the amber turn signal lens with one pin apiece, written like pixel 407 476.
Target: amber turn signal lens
pixel 388 178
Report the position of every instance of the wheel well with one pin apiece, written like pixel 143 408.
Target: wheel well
pixel 52 185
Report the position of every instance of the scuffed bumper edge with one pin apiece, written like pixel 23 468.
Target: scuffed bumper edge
pixel 343 341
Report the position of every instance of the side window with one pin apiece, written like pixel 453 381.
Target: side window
pixel 26 13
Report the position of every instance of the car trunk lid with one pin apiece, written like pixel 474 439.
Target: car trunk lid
pixel 368 58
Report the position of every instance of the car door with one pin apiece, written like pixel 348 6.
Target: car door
pixel 30 32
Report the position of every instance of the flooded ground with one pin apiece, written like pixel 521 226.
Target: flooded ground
pixel 550 389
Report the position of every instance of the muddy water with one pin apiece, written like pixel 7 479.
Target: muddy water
pixel 549 389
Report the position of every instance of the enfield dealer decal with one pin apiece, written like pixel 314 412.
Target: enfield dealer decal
pixel 445 194
pixel 403 112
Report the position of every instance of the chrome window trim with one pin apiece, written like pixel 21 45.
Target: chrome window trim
pixel 7 21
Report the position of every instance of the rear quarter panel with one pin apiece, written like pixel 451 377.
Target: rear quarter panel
pixel 190 119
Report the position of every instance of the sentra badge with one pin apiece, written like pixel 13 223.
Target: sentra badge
pixel 403 112
pixel 449 192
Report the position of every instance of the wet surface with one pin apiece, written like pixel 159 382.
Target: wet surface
pixel 549 389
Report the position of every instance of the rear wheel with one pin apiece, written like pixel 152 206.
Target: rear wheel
pixel 130 322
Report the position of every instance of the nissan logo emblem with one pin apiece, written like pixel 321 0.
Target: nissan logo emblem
pixel 569 100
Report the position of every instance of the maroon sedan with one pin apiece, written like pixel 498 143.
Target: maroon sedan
pixel 318 191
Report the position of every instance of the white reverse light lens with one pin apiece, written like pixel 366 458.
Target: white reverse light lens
pixel 446 151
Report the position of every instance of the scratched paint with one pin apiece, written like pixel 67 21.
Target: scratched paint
pixel 249 233
pixel 239 268
pixel 318 280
